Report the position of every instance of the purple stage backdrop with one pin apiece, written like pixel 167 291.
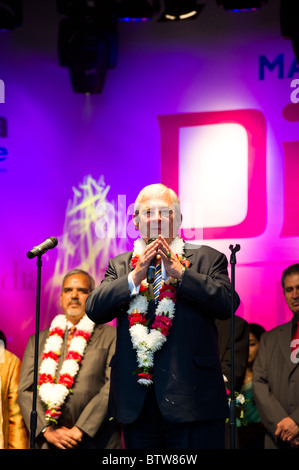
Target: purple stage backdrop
pixel 207 107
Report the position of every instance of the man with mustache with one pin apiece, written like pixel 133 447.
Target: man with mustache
pixel 74 375
pixel 276 373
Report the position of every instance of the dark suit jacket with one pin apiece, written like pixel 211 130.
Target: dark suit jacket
pixel 241 348
pixel 87 406
pixel 276 382
pixel 188 378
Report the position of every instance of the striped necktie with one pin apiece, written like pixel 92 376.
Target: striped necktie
pixel 157 281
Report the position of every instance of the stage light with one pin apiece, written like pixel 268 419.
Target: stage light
pixel 11 14
pixel 289 18
pixel 135 10
pixel 176 10
pixel 241 5
pixel 87 44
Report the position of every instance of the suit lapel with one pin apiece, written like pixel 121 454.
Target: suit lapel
pixel 189 257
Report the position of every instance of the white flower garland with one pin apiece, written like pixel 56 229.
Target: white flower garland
pixel 54 394
pixel 144 341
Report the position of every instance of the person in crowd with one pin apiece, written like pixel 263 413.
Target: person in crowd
pixel 74 375
pixel 251 436
pixel 276 373
pixel 241 345
pixel 13 432
pixel 167 388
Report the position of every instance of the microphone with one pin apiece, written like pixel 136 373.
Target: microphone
pixel 48 244
pixel 152 267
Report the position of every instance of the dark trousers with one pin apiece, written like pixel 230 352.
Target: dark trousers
pixel 152 431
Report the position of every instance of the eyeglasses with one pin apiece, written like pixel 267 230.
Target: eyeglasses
pixel 164 213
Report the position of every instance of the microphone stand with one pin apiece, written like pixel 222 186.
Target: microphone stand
pixel 232 409
pixel 152 267
pixel 33 417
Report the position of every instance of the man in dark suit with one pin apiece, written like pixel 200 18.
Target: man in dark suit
pixel 74 375
pixel 167 387
pixel 276 373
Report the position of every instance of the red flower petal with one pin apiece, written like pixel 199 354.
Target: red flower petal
pixel 53 413
pixel 136 318
pixel 45 378
pixel 67 380
pixel 82 333
pixel 74 355
pixel 134 261
pixel 143 375
pixel 56 331
pixel 50 354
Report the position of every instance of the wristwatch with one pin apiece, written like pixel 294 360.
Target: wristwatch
pixel 181 276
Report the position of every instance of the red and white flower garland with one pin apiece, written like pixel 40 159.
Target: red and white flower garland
pixel 54 393
pixel 144 341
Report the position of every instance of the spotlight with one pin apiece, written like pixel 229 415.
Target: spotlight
pixel 11 14
pixel 241 5
pixel 135 10
pixel 176 10
pixel 87 44
pixel 289 18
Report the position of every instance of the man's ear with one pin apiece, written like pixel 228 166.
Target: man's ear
pixel 136 220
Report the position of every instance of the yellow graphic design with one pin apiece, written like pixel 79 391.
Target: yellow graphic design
pixel 80 246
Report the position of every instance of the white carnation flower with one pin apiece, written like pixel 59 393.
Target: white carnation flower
pixel 53 343
pixel 60 394
pixel 59 321
pixel 146 382
pixel 155 340
pixel 57 395
pixel 145 358
pixel 78 344
pixel 138 334
pixel 139 303
pixel 86 324
pixel 240 399
pixel 48 366
pixel 166 307
pixel 45 392
pixel 70 366
pixel 53 394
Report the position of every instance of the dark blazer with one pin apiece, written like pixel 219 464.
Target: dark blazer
pixel 276 382
pixel 188 379
pixel 241 348
pixel 86 407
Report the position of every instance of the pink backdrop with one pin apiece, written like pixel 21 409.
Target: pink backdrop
pixel 203 106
